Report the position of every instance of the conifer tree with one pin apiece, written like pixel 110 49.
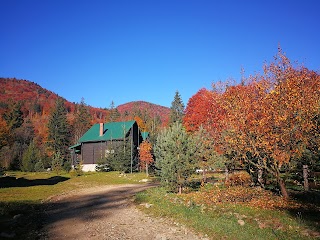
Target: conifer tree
pixel 82 121
pixel 14 117
pixel 114 113
pixel 31 158
pixel 59 130
pixel 177 109
pixel 175 153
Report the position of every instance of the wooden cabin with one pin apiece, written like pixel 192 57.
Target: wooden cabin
pixel 99 140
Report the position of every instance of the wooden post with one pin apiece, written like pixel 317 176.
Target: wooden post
pixel 305 177
pixel 226 173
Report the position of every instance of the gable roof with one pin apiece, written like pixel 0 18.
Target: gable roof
pixel 111 131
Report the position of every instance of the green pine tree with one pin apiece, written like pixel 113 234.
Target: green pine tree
pixel 57 162
pixel 30 158
pixel 59 130
pixel 82 121
pixel 114 113
pixel 14 117
pixel 119 156
pixel 177 109
pixel 175 153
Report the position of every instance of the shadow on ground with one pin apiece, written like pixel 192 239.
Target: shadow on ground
pixel 6 182
pixel 35 221
pixel 310 213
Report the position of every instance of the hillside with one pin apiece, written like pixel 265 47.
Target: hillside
pixel 37 103
pixel 143 109
pixel 34 98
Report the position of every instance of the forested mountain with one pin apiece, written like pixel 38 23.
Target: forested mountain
pixel 37 102
pixel 145 110
pixel 34 98
pixel 29 115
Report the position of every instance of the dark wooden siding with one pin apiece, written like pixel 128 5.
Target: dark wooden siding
pixel 92 152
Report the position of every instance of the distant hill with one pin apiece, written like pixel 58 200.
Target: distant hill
pixel 34 98
pixel 142 107
pixel 37 103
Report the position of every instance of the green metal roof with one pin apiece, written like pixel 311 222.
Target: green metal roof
pixel 145 135
pixel 111 131
pixel 75 146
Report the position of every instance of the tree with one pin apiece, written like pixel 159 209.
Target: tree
pixel 206 156
pixel 31 159
pixel 113 113
pixel 57 162
pixel 145 155
pixel 118 156
pixel 177 109
pixel 82 121
pixel 14 117
pixel 25 133
pixel 271 119
pixel 59 130
pixel 291 107
pixel 4 133
pixel 175 156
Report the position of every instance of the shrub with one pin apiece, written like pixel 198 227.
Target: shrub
pixel 241 178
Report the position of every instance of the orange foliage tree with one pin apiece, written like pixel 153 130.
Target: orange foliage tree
pixel 271 119
pixel 145 155
pixel 4 133
pixel 267 121
pixel 141 124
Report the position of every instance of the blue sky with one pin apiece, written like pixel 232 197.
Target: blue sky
pixel 129 50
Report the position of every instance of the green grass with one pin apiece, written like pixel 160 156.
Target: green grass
pixel 27 193
pixel 36 193
pixel 221 221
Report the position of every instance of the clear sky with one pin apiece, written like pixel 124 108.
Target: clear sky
pixel 129 50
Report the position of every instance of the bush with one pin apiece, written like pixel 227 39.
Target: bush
pixel 241 178
pixel 38 167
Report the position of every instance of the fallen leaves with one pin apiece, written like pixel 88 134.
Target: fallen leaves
pixel 252 197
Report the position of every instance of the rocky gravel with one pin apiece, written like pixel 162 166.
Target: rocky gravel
pixel 107 213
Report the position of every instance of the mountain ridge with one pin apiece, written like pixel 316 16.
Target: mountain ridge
pixel 37 99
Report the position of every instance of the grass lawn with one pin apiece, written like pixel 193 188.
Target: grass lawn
pixel 22 195
pixel 222 216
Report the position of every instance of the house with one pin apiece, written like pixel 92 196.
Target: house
pixel 101 138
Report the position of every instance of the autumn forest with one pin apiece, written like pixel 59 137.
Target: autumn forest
pixel 266 126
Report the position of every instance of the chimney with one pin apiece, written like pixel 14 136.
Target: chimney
pixel 101 130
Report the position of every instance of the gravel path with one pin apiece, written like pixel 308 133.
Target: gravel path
pixel 107 213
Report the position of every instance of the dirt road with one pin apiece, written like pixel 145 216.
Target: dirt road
pixel 107 213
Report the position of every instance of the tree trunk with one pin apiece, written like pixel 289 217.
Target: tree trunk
pixel 180 189
pixel 283 188
pixel 204 176
pixel 260 178
pixel 305 178
pixel 226 173
pixel 147 172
